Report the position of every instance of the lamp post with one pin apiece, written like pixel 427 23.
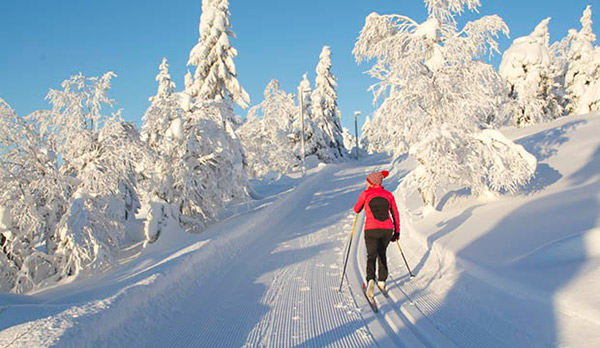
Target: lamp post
pixel 301 103
pixel 356 113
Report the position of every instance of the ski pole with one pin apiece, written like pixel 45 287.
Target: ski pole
pixel 406 263
pixel 348 253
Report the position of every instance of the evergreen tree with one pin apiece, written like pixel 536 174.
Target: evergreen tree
pixel 314 138
pixel 349 141
pixel 367 133
pixel 163 109
pixel 325 112
pixel 215 78
pixel 162 131
pixel 186 99
pixel 269 141
pixel 527 66
pixel 198 166
pixel 583 72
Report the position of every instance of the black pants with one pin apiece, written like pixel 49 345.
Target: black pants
pixel 377 242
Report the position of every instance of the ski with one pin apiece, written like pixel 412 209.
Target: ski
pixel 371 300
pixel 384 291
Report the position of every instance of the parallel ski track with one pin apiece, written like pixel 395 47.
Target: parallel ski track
pixel 398 330
pixel 296 304
pixel 300 306
pixel 405 324
pixel 305 293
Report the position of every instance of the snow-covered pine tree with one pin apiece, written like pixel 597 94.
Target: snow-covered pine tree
pixel 583 72
pixel 204 167
pixel 325 112
pixel 378 138
pixel 364 141
pixel 314 138
pixel 349 140
pixel 186 99
pixel 161 130
pixel 279 112
pixel 527 66
pixel 268 141
pixel 438 96
pixel 215 78
pixel 251 136
pixel 305 92
pixel 164 107
pixel 209 172
pixel 198 165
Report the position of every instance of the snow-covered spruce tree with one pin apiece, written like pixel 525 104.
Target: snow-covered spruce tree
pixel 215 78
pixel 325 112
pixel 583 72
pixel 367 134
pixel 33 199
pixel 311 133
pixel 198 165
pixel 438 97
pixel 527 66
pixel 209 169
pixel 202 165
pixel 314 138
pixel 251 135
pixel 268 141
pixel 185 98
pixel 164 107
pixel 349 140
pixel 161 121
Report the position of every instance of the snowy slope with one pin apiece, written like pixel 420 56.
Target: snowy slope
pixel 525 269
pixel 491 272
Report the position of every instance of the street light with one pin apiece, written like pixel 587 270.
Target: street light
pixel 301 103
pixel 356 113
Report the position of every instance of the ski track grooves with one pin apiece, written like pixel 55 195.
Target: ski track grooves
pixel 268 278
pixel 412 317
pixel 402 323
pixel 296 304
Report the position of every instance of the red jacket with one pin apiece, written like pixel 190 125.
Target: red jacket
pixel 380 209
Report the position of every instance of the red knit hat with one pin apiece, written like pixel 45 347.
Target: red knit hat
pixel 376 178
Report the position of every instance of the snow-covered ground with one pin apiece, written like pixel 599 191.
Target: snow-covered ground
pixel 490 272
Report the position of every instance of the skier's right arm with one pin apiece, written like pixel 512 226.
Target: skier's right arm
pixel 360 203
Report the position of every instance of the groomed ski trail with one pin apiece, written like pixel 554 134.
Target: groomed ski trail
pixel 399 322
pixel 281 290
pixel 266 278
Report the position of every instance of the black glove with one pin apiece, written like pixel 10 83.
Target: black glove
pixel 395 236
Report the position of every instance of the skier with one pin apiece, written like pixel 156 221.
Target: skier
pixel 382 226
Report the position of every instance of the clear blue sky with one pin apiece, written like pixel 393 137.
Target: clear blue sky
pixel 44 42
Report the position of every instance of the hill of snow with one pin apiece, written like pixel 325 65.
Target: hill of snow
pixel 490 272
pixel 529 264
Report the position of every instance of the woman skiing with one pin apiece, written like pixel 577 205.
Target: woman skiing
pixel 382 225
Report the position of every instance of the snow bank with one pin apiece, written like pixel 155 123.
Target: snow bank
pixel 538 250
